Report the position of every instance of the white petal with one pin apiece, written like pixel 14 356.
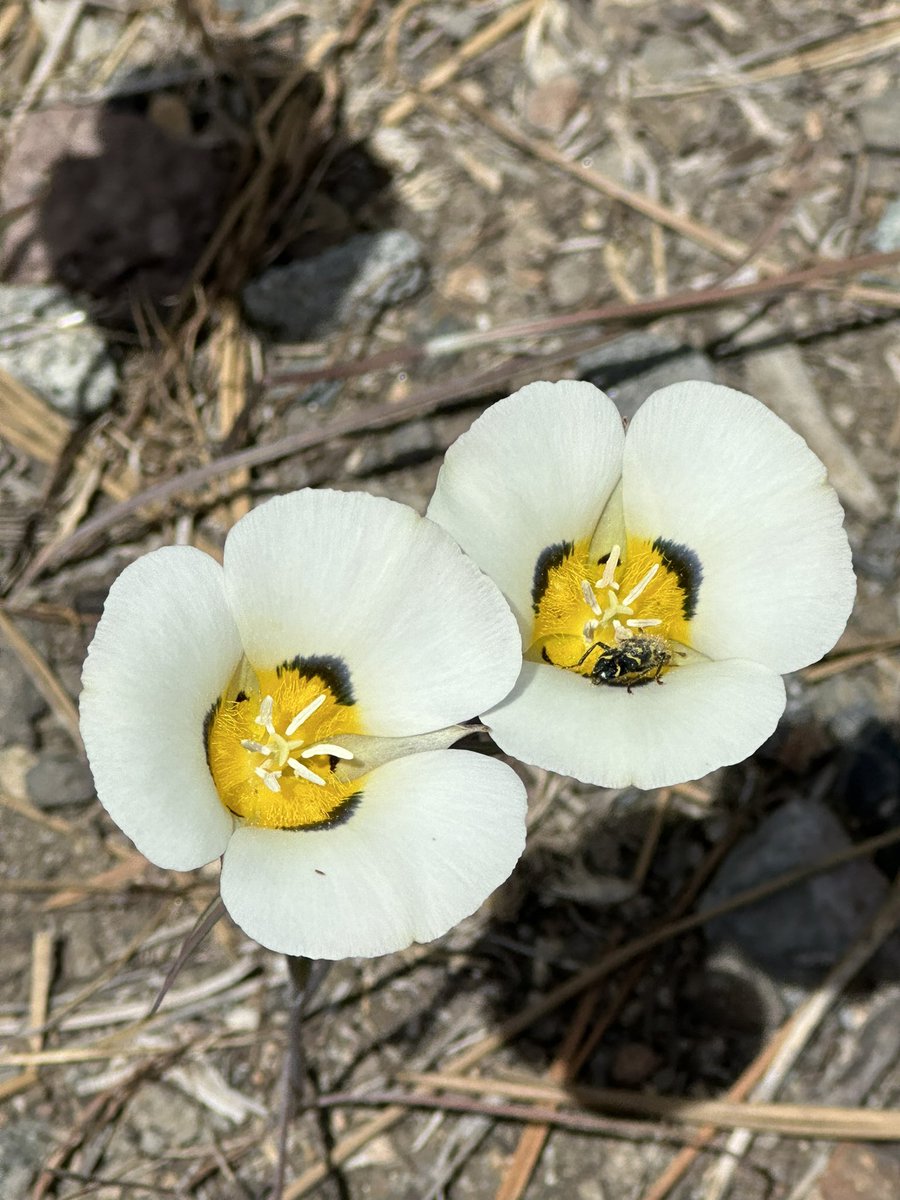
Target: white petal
pixel 427 638
pixel 535 470
pixel 714 470
pixel 703 716
pixel 163 653
pixel 434 834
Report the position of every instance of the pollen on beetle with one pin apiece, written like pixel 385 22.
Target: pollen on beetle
pixel 644 589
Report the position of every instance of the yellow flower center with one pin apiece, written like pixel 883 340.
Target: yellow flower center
pixel 615 618
pixel 273 743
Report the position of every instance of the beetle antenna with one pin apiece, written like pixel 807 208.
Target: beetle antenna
pixel 589 650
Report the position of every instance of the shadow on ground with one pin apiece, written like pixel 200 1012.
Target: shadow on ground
pixel 704 1004
pixel 236 165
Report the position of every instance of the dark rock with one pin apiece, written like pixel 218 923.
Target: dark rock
pixel 20 702
pixel 633 1064
pixel 59 778
pixel 867 789
pixel 801 931
pixel 353 282
pixel 631 367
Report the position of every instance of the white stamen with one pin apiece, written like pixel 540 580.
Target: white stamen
pixel 304 772
pixel 325 748
pixel 269 778
pixel 304 713
pixel 644 624
pixel 607 578
pixel 621 633
pixel 264 716
pixel 590 628
pixel 589 598
pixel 256 747
pixel 639 587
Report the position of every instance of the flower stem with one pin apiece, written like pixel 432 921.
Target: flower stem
pixel 304 977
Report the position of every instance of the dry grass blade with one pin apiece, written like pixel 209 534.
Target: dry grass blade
pixel 789 1120
pixel 583 1122
pixel 641 311
pixel 9 18
pixel 739 1091
pixel 120 51
pixel 801 1027
pixel 43 678
pixel 511 1028
pixel 729 248
pixel 116 877
pixel 58 1020
pixel 29 423
pixel 575 1047
pixel 100 1111
pixel 392 38
pixel 229 352
pixel 38 1007
pixel 213 912
pixel 477 44
pixel 843 51
pixel 847 659
pixel 48 60
pixel 531 1142
pixel 17 805
pixel 433 398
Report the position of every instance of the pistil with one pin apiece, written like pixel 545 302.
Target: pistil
pixel 279 750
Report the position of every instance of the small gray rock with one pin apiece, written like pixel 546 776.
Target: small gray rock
pixel 631 367
pixel 802 931
pixel 163 1119
pixel 879 121
pixel 663 56
pixel 887 233
pixel 843 704
pixel 411 443
pixel 47 343
pixel 570 280
pixel 59 778
pixel 355 281
pixel 20 702
pixel 24 1146
pixel 552 103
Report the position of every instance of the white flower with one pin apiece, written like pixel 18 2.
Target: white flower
pixel 704 551
pixel 273 710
